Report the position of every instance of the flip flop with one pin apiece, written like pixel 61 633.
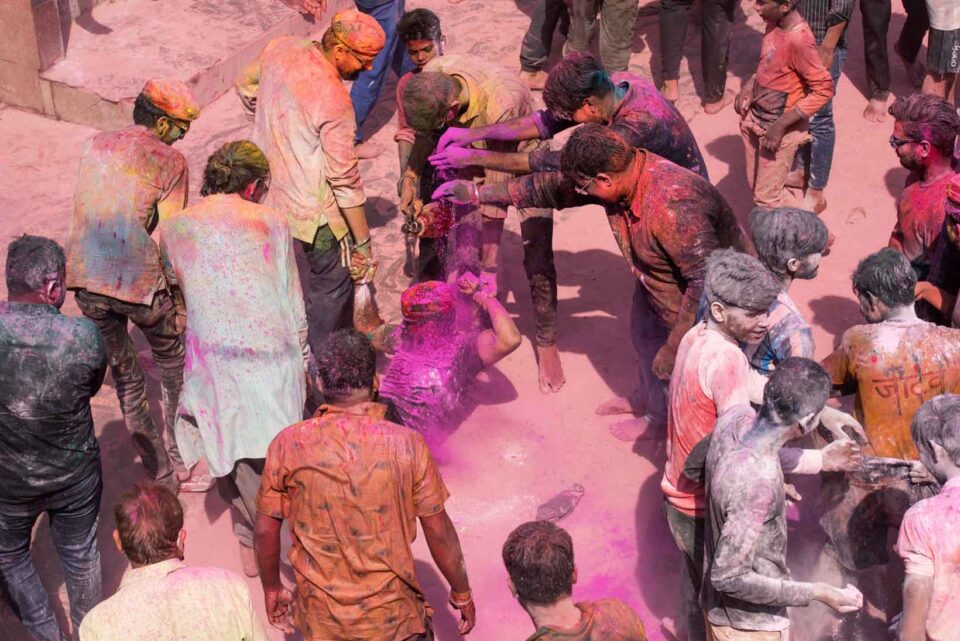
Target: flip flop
pixel 198 483
pixel 561 505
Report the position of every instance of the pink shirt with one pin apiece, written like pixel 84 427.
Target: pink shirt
pixel 930 546
pixel 711 375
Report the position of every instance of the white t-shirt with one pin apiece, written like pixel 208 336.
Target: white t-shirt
pixel 944 14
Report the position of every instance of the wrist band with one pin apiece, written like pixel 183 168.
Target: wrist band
pixel 364 242
pixel 461 599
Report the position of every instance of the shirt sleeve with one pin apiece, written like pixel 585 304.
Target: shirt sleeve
pixel 272 498
pixel 725 378
pixel 549 125
pixel 913 546
pixel 840 11
pixel 173 196
pixel 545 189
pixel 819 83
pixel 342 167
pixel 732 572
pixel 294 291
pixel 837 364
pixel 429 491
pixel 405 132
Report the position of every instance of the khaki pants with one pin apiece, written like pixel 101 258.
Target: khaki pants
pixel 767 170
pixel 726 633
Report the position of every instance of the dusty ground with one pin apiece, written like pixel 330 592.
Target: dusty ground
pixel 519 447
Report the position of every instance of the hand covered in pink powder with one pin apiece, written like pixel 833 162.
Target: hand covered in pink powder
pixel 315 7
pixel 459 192
pixel 454 158
pixel 843 600
pixel 455 137
pixel 468 284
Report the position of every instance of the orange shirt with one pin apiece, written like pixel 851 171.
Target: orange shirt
pixel 895 367
pixel 603 620
pixel 352 485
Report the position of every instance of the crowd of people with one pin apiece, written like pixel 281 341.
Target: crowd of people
pixel 257 306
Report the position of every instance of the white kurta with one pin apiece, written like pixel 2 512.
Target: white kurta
pixel 246 328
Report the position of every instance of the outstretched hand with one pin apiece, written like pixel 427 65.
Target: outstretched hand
pixel 453 158
pixel 454 137
pixel 458 192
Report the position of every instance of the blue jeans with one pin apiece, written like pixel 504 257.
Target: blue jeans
pixel 74 517
pixel 366 88
pixel 819 153
pixel 649 335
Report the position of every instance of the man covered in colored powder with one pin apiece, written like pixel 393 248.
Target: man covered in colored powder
pixel 924 132
pixel 666 221
pixel 51 365
pixel 461 92
pixel 746 584
pixel 539 559
pixel 305 125
pixel 246 332
pixel 790 86
pixel 161 598
pixel 893 364
pixel 353 486
pixel 928 543
pixel 712 375
pixel 436 361
pixel 940 288
pixel 130 180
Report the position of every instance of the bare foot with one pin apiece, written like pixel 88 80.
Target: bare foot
pixel 915 70
pixel 716 107
pixel 876 110
pixel 623 405
pixel 561 505
pixel 534 79
pixel 671 90
pixel 638 428
pixel 551 371
pixel 814 201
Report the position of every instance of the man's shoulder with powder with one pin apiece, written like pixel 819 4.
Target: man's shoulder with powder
pixel 614 620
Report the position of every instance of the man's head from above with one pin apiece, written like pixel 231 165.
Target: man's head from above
pixel 773 11
pixel 935 429
pixel 884 283
pixel 431 101
pixel 419 31
pixel 36 271
pixel 598 162
pixel 579 89
pixel 347 364
pixel 149 521
pixel 795 394
pixel 238 167
pixel 740 291
pixel 352 41
pixel 925 129
pixel 166 107
pixel 429 311
pixel 789 242
pixel 539 560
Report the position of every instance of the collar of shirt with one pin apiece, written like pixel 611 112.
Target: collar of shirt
pixel 152 572
pixel 586 617
pixel 368 408
pixel 953 485
pixel 28 309
pixel 475 104
pixel 632 204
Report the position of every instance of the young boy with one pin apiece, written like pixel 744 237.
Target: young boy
pixel 539 560
pixel 790 86
pixel 928 541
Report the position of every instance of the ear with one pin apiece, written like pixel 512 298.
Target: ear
pixel 453 111
pixel 181 541
pixel 116 541
pixel 573 579
pixel 443 44
pixel 718 312
pixel 513 588
pixel 938 452
pixel 162 126
pixel 793 264
pixel 376 386
pixel 805 421
pixel 250 191
pixel 605 178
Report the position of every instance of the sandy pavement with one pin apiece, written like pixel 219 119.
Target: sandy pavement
pixel 519 447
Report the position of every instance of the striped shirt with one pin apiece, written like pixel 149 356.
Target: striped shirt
pixel 823 14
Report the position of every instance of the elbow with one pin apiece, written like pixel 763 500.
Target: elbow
pixel 730 585
pixel 510 341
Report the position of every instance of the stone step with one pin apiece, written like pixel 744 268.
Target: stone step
pixel 112 50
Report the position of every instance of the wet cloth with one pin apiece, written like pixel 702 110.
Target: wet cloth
pixel 128 179
pixel 50 367
pixel 930 547
pixel 644 118
pixel 746 585
pixel 246 335
pixel 426 382
pixel 602 620
pixel 304 122
pixel 711 375
pixel 894 367
pixel 921 209
pixel 352 486
pixel 788 335
pixel 171 601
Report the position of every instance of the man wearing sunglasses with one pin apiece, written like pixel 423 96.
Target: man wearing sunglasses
pixel 924 132
pixel 305 124
pixel 130 180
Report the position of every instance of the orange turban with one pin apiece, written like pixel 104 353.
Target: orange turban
pixel 173 98
pixel 359 32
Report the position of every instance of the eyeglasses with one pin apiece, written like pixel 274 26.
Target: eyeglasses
pixel 582 189
pixel 896 143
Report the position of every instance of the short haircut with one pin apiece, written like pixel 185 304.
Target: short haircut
pixel 927 117
pixel 594 149
pixel 938 421
pixel 427 97
pixel 145 113
pixel 31 260
pixel 347 362
pixel 886 274
pixel 232 167
pixel 329 39
pixel 739 280
pixel 784 233
pixel 539 560
pixel 797 387
pixel 149 519
pixel 573 80
pixel 419 24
